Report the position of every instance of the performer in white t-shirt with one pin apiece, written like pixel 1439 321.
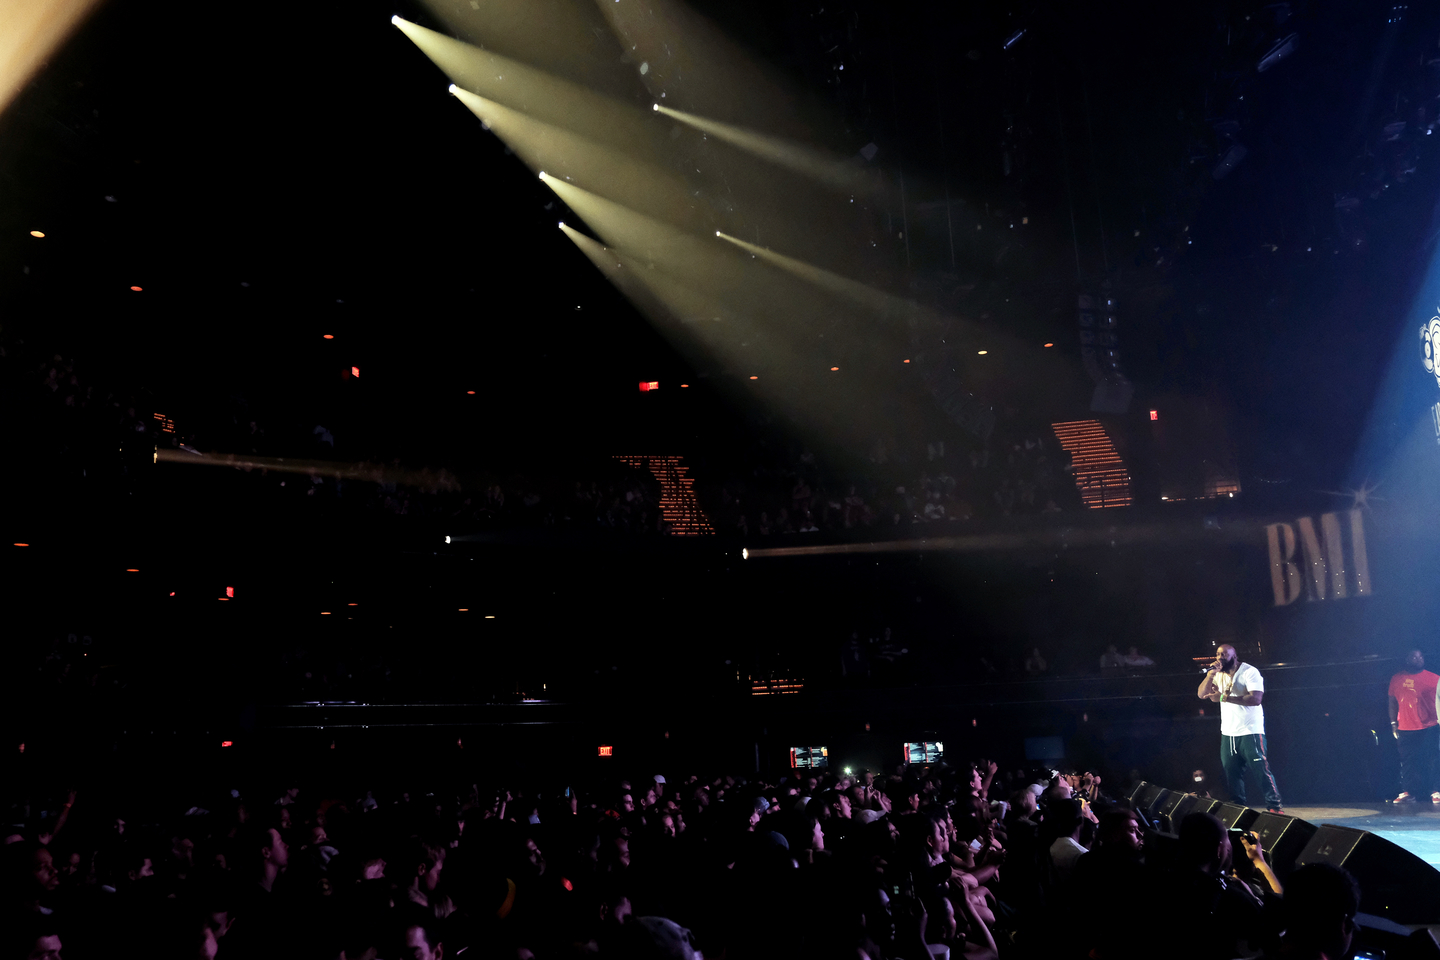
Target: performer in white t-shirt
pixel 1239 688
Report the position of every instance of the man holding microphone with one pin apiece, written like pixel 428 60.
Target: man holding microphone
pixel 1239 689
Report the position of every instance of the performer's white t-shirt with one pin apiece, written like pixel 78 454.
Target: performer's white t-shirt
pixel 1237 720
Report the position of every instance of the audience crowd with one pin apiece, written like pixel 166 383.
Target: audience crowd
pixel 1013 473
pixel 929 861
pixel 1018 470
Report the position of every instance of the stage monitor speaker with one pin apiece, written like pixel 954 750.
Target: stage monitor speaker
pixel 1394 883
pixel 1138 786
pixel 1170 804
pixel 1235 816
pixel 1189 803
pixel 1283 838
pixel 1148 801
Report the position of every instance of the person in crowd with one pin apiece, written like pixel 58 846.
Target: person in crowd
pixel 1134 658
pixel 35 938
pixel 1415 728
pixel 1239 689
pixel 1321 901
pixel 1035 662
pixel 1111 659
pixel 1216 915
pixel 421 939
pixel 1067 849
pixel 1116 862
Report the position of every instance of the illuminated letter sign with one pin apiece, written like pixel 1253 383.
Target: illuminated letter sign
pixel 1430 357
pixel 1325 575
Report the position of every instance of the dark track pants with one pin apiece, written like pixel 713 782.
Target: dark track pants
pixel 1418 750
pixel 1238 755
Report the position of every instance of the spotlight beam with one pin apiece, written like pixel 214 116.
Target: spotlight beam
pixel 541 95
pixel 1046 537
pixel 371 472
pixel 689 316
pixel 562 37
pixel 30 31
pixel 862 294
pixel 828 170
pixel 569 156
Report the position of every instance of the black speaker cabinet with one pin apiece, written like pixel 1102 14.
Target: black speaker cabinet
pixel 1169 805
pixel 1149 799
pixel 1189 803
pixel 1394 883
pixel 1283 838
pixel 1235 816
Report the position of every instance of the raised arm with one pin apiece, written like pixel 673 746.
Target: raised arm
pixel 1208 690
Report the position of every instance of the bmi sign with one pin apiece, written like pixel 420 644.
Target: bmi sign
pixel 1327 561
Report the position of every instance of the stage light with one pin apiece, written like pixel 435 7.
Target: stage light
pixel 489 616
pixel 684 386
pixel 904 361
pixel 356 604
pixel 22 544
pixel 355 372
pixel 745 553
pixel 754 378
pixel 132 569
pixel 655 107
pixel 718 233
pixel 1049 345
pixel 38 234
pixel 464 610
pixel 451 89
pixel 469 393
pixel 229 591
pixel 137 289
pixel 447 539
pixel 329 336
pixel 324 613
pixel 395 20
pixel 542 174
pixel 983 352
pixel 227 743
pixel 833 369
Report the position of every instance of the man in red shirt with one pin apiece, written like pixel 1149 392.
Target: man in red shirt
pixel 1413 722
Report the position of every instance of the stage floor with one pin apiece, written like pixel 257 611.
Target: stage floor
pixel 1414 826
